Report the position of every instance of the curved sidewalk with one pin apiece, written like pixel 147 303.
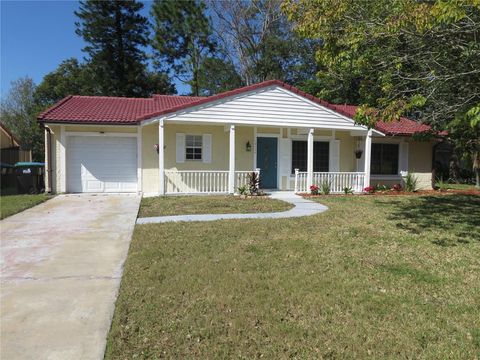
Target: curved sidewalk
pixel 302 207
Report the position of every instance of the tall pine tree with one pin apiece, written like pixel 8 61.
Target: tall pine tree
pixel 183 38
pixel 116 33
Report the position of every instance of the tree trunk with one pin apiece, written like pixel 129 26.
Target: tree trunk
pixel 195 87
pixel 476 168
pixel 120 65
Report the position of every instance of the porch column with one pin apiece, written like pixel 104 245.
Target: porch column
pixel 310 158
pixel 231 162
pixel 161 157
pixel 368 157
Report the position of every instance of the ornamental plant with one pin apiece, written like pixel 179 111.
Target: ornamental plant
pixel 243 190
pixel 411 183
pixel 369 189
pixel 253 183
pixel 441 185
pixel 397 187
pixel 381 188
pixel 326 187
pixel 314 190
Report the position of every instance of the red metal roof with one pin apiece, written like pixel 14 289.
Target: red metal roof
pixel 109 110
pixel 402 127
pixel 130 111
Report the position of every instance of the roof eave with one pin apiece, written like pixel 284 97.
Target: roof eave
pixel 88 122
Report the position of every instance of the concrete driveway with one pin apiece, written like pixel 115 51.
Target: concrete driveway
pixel 61 265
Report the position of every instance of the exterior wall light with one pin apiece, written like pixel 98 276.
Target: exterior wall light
pixel 248 146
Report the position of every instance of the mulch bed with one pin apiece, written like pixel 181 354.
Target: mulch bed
pixel 403 193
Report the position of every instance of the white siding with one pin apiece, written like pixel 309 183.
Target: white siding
pixel 272 106
pixel 361 161
pixel 207 148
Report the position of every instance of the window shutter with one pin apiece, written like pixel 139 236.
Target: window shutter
pixel 285 157
pixel 180 143
pixel 334 160
pixel 207 148
pixel 403 158
pixel 361 161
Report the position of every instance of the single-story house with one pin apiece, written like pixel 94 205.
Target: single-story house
pixel 179 144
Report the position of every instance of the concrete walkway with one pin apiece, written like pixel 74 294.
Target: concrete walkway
pixel 302 207
pixel 61 265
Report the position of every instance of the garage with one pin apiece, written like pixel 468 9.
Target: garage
pixel 101 164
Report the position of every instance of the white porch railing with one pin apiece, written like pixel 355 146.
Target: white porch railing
pixel 202 181
pixel 338 181
pixel 241 177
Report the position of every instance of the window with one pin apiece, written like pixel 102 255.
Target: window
pixel 384 159
pixel 320 156
pixel 193 147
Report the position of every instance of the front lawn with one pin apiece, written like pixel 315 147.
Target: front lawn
pixel 183 205
pixel 373 277
pixel 12 204
pixel 461 186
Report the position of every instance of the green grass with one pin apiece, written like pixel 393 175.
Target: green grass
pixel 183 205
pixel 12 204
pixel 461 186
pixel 373 277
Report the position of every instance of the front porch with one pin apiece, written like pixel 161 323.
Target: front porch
pixel 283 158
pixel 203 181
pixel 217 182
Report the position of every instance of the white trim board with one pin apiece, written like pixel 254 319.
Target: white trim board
pixel 90 133
pixel 315 138
pixel 76 124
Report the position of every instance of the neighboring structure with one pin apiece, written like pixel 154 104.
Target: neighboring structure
pixel 11 151
pixel 178 144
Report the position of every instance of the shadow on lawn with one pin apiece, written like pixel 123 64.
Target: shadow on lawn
pixel 456 216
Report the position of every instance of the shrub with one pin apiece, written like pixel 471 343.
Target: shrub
pixel 397 187
pixel 347 190
pixel 243 190
pixel 441 185
pixel 314 190
pixel 379 187
pixel 411 183
pixel 325 185
pixel 253 183
pixel 369 189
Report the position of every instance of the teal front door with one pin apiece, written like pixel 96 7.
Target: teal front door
pixel 267 161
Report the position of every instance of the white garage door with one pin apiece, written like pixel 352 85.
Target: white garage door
pixel 101 164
